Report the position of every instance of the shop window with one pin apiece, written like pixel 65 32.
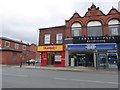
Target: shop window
pixel 14 57
pixel 112 58
pixel 47 39
pixel 114 27
pixel 94 28
pixel 16 46
pixel 7 44
pixel 24 47
pixel 76 29
pixel 58 58
pixel 59 38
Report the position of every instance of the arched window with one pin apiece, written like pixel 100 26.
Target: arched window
pixel 94 28
pixel 114 27
pixel 76 29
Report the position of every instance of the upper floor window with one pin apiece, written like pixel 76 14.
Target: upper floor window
pixel 59 38
pixel 16 45
pixel 94 28
pixel 47 39
pixel 76 29
pixel 114 27
pixel 7 44
pixel 24 47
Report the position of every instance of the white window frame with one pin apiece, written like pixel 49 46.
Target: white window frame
pixel 113 30
pixel 76 29
pixel 113 27
pixel 59 38
pixel 16 45
pixel 24 47
pixel 47 39
pixel 6 44
pixel 94 25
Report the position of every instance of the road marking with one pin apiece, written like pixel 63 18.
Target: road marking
pixel 87 81
pixel 15 75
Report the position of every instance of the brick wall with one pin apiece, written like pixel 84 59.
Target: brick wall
pixel 7 56
pixel 93 14
pixel 52 31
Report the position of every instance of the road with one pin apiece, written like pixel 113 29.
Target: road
pixel 37 78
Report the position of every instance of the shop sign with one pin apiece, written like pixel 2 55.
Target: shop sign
pixel 50 48
pixel 57 57
pixel 93 47
pixel 90 46
pixel 27 53
pixel 96 39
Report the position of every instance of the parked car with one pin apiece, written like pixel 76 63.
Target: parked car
pixel 32 61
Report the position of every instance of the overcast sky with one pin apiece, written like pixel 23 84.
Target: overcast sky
pixel 21 19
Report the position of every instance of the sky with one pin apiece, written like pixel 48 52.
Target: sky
pixel 21 19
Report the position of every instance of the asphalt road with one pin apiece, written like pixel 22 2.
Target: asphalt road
pixel 37 78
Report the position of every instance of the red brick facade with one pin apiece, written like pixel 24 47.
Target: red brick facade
pixel 52 31
pixel 20 55
pixel 93 14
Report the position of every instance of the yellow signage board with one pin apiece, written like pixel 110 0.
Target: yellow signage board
pixel 50 48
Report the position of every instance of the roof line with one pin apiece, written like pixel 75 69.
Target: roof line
pixel 62 26
pixel 8 39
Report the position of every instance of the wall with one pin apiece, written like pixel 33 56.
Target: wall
pixel 52 31
pixel 6 56
pixel 93 14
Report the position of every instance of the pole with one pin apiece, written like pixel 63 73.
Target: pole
pixel 96 52
pixel 20 64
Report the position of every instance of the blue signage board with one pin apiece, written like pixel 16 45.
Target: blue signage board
pixel 93 47
pixel 27 53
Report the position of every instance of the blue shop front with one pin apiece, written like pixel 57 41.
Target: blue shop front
pixel 98 55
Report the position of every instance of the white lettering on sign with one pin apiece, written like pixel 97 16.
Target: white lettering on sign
pixel 90 46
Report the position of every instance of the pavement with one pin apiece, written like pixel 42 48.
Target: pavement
pixel 75 69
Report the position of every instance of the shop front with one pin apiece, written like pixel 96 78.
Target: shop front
pixel 99 55
pixel 52 55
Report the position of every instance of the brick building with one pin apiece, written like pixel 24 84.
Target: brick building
pixel 52 50
pixel 14 52
pixel 91 40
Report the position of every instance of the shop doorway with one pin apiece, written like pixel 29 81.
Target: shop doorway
pixel 50 58
pixel 81 58
pixel 102 60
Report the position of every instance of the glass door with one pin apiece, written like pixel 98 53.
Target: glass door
pixel 103 62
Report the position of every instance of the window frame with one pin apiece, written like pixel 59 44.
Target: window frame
pixel 117 26
pixel 46 39
pixel 16 46
pixel 76 29
pixel 93 34
pixel 58 38
pixel 8 44
pixel 24 47
pixel 94 28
